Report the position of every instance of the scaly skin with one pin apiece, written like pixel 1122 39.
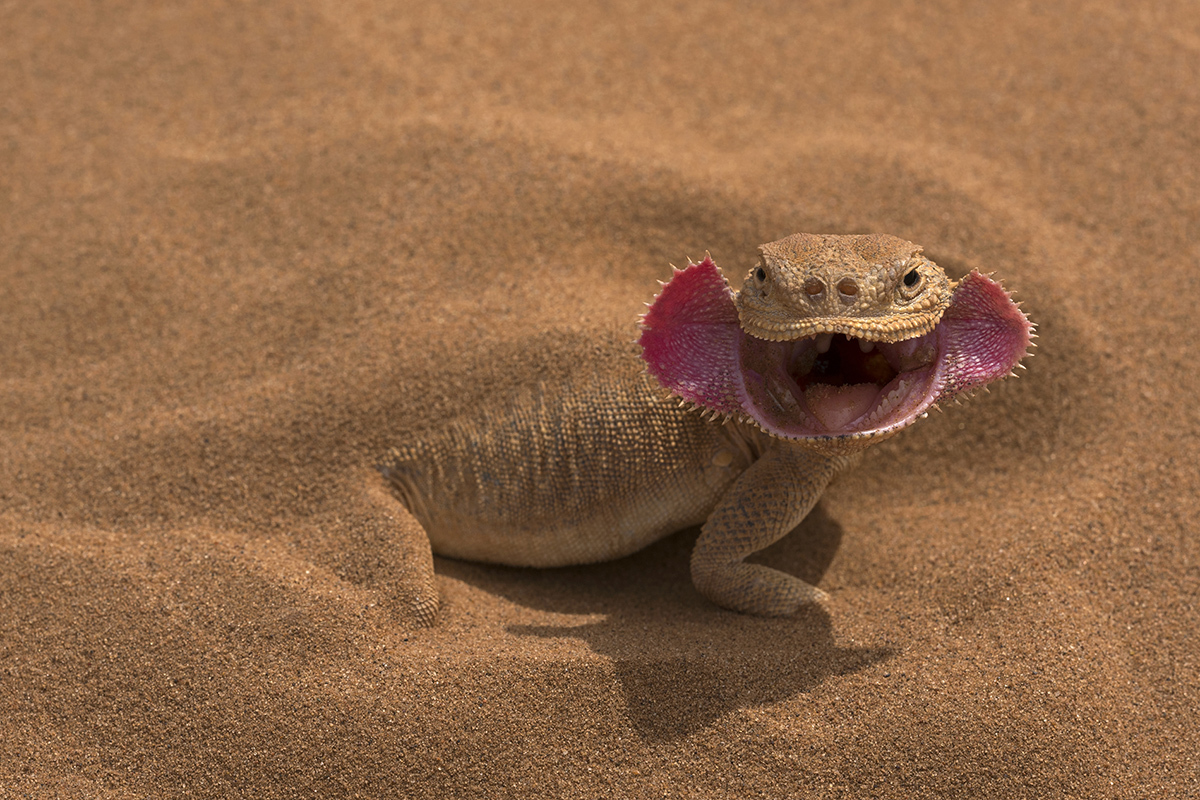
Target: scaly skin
pixel 746 408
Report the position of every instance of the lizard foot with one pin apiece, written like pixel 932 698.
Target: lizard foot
pixel 424 610
pixel 755 589
pixel 404 562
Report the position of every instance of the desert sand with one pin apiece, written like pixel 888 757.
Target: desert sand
pixel 245 248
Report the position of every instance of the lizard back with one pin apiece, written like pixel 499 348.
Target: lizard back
pixel 587 469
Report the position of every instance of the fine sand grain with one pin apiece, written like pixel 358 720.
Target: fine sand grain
pixel 245 248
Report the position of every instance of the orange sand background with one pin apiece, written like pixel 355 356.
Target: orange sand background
pixel 247 247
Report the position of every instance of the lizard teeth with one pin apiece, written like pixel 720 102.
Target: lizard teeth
pixel 824 341
pixel 890 402
pixel 865 345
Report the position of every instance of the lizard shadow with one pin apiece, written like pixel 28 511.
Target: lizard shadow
pixel 682 663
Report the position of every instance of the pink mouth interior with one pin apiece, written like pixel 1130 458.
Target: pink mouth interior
pixel 797 390
pixel 831 385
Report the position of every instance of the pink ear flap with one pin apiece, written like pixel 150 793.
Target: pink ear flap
pixel 690 338
pixel 985 335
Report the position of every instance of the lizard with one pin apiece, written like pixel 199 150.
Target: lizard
pixel 741 409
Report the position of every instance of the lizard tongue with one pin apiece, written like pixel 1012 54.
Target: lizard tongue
pixel 837 406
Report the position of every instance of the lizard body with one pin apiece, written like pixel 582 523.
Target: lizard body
pixel 741 410
pixel 572 473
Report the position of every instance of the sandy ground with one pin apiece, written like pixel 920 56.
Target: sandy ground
pixel 245 248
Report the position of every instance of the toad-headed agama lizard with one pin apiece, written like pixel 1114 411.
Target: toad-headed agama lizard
pixel 743 407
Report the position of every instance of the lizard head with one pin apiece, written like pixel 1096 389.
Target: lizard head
pixel 877 288
pixel 833 340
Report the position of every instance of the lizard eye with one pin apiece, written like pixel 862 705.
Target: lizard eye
pixel 760 274
pixel 910 286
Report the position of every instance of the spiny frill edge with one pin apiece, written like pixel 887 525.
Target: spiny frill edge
pixel 700 295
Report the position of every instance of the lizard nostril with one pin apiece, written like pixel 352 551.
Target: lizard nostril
pixel 813 287
pixel 848 287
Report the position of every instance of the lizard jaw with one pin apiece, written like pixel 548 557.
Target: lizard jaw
pixel 835 385
pixel 825 388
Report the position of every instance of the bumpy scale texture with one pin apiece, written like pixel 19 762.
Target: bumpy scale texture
pixel 596 467
pixel 808 284
pixel 570 474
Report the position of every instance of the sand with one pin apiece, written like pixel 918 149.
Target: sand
pixel 246 248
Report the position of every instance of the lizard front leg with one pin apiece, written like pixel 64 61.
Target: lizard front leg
pixel 764 503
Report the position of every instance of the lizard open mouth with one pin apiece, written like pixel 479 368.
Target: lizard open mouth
pixel 832 385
